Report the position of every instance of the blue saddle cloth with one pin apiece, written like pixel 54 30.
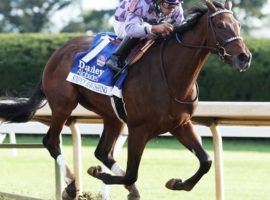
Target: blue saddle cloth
pixel 89 69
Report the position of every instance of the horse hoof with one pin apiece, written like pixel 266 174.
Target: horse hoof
pixel 171 184
pixel 92 171
pixel 133 197
pixel 65 196
pixel 70 192
pixel 133 192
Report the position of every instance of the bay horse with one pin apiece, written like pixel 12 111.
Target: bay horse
pixel 160 95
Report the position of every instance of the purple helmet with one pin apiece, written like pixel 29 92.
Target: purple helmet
pixel 172 2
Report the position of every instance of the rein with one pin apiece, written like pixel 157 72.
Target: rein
pixel 218 49
pixel 167 84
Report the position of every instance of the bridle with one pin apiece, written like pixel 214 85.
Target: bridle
pixel 218 49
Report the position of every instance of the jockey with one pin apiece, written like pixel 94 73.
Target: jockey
pixel 140 19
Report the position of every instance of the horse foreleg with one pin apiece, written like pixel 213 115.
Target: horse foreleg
pixel 189 138
pixel 136 144
pixel 105 153
pixel 52 142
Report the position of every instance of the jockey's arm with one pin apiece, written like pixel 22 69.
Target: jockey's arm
pixel 135 27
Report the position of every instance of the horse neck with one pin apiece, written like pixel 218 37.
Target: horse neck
pixel 182 64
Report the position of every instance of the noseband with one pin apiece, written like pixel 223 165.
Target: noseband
pixel 219 49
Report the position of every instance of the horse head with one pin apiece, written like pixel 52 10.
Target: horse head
pixel 225 36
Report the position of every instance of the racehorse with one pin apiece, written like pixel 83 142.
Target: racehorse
pixel 160 95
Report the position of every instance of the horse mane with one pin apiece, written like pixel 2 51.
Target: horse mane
pixel 193 14
pixel 201 8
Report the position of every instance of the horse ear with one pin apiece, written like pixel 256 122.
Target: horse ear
pixel 211 6
pixel 228 5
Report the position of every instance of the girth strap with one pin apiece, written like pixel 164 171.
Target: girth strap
pixel 119 108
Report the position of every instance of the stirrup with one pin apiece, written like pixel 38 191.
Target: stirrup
pixel 116 69
pixel 113 63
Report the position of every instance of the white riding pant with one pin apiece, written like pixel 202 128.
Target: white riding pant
pixel 119 29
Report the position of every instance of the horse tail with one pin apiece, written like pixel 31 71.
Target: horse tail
pixel 20 110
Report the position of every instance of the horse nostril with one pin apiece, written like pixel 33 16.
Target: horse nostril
pixel 244 58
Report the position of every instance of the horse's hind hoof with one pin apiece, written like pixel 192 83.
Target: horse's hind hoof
pixel 92 171
pixel 171 184
pixel 70 192
pixel 178 184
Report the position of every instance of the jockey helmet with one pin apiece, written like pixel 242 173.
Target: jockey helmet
pixel 167 4
pixel 171 2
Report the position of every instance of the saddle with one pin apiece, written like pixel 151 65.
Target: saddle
pixel 136 53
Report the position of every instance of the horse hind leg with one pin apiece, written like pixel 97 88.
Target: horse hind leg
pixel 105 153
pixel 190 139
pixel 52 142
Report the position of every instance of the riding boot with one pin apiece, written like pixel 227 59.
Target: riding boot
pixel 117 60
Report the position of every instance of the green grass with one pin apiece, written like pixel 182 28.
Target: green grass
pixel 246 168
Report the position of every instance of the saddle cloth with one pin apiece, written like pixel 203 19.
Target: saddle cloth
pixel 89 69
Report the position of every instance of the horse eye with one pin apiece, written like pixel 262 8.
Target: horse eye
pixel 220 25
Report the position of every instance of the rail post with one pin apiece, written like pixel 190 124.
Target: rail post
pixel 77 155
pixel 218 158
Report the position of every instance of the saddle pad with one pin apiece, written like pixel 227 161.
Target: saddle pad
pixel 89 69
